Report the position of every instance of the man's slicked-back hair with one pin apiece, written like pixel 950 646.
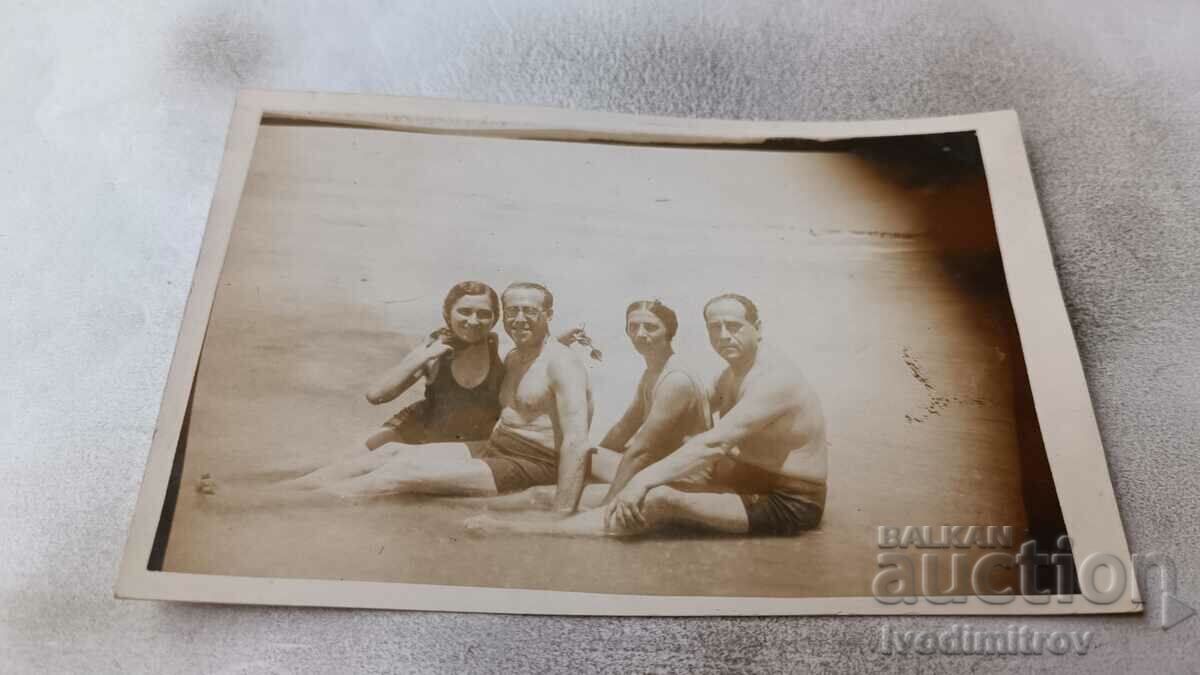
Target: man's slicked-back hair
pixel 747 303
pixel 547 304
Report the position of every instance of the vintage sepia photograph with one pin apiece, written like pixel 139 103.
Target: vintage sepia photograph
pixel 632 366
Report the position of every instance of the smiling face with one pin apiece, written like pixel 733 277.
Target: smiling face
pixel 647 332
pixel 731 334
pixel 526 320
pixel 471 318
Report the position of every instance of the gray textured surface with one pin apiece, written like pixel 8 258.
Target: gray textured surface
pixel 113 123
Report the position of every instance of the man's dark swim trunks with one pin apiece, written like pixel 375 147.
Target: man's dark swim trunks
pixel 781 514
pixel 516 463
pixel 772 509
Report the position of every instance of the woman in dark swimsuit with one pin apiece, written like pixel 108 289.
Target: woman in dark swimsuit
pixel 462 369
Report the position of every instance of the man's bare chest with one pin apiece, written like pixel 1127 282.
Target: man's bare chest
pixel 527 388
pixel 730 389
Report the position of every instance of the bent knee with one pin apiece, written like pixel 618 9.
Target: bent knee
pixel 664 498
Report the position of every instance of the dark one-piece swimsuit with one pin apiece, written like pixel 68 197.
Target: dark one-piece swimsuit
pixel 451 412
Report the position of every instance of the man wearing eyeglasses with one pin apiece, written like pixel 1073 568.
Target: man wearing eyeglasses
pixel 546 404
pixel 541 437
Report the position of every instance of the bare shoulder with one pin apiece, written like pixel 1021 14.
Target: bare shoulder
pixel 674 384
pixel 561 361
pixel 779 374
pixel 556 352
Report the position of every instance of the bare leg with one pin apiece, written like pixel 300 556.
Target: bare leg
pixel 405 475
pixel 236 497
pixel 604 464
pixel 457 451
pixel 631 464
pixel 432 451
pixel 593 495
pixel 371 461
pixel 539 498
pixel 383 472
pixel 323 474
pixel 707 512
pixel 471 477
pixel 307 477
pixel 332 473
pixel 585 524
pixel 665 506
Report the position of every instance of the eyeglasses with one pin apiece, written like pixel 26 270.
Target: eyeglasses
pixel 531 313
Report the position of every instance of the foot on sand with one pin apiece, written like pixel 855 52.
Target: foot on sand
pixel 206 485
pixel 534 499
pixel 485 524
pixel 584 524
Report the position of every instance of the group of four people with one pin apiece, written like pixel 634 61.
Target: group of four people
pixel 520 426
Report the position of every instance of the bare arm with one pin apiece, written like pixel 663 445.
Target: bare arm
pixel 624 429
pixel 568 380
pixel 412 367
pixel 761 405
pixel 763 402
pixel 657 436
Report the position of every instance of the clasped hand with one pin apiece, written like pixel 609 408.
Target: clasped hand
pixel 626 511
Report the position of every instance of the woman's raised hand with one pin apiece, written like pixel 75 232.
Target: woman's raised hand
pixel 441 344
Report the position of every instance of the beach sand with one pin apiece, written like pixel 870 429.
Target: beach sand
pixel 346 241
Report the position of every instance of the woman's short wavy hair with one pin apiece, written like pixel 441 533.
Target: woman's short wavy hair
pixel 464 288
